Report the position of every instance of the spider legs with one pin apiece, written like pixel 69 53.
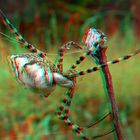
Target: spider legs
pixel 63 111
pixel 98 67
pixel 19 37
pixel 61 53
pixel 80 59
pixel 12 28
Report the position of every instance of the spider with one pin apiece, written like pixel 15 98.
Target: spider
pixel 37 71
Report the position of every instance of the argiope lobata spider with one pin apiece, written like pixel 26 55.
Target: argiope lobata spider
pixel 37 71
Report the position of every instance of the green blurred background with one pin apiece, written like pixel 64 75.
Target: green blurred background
pixel 49 24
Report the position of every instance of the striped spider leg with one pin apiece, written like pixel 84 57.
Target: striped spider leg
pixel 98 67
pixel 19 37
pixel 63 111
pixel 61 53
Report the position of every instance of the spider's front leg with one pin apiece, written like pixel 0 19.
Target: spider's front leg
pixel 61 53
pixel 99 67
pixel 20 38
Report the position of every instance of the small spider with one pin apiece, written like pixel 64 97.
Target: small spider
pixel 37 71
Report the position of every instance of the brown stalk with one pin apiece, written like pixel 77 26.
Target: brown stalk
pixel 100 58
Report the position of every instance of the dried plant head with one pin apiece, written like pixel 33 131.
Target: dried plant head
pixel 93 39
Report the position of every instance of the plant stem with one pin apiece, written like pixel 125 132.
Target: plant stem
pixel 100 58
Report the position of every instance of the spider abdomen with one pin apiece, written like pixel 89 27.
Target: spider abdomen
pixel 32 72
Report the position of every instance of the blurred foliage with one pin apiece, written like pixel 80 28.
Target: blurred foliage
pixel 49 24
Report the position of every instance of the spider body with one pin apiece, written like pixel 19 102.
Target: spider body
pixel 37 73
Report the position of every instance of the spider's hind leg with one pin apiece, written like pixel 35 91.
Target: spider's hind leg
pixel 63 112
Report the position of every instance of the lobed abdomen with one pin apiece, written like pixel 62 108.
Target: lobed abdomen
pixel 31 73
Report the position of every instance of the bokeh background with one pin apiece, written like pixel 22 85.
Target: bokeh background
pixel 48 24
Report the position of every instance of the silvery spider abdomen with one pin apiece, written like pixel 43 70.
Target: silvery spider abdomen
pixel 37 73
